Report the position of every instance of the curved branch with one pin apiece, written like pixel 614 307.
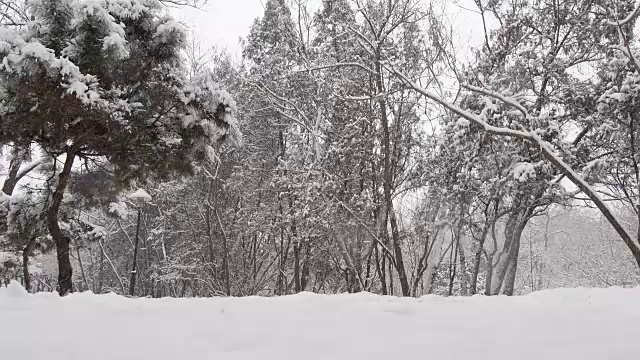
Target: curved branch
pixel 630 17
pixel 460 112
pixel 505 99
pixel 546 151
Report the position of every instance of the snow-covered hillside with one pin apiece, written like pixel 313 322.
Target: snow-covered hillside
pixel 559 324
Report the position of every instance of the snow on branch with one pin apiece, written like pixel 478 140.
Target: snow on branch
pixel 19 57
pixel 546 150
pixel 212 110
pixel 280 107
pixel 506 99
pixel 336 65
pixel 630 17
pixel 460 112
pixel 196 4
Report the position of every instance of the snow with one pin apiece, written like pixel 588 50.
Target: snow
pixel 17 57
pixel 629 17
pixel 203 94
pixel 140 195
pixel 131 9
pixel 557 324
pixel 167 30
pixel 119 209
pixel 77 87
pixel 97 12
pixel 620 97
pixel 524 171
pixel 116 41
pixel 7 257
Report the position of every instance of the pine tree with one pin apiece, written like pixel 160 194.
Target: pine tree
pixel 104 80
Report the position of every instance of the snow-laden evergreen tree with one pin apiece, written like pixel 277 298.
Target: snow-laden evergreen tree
pixel 104 79
pixel 271 52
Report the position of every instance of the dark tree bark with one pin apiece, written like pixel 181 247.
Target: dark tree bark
pixel 297 285
pixel 513 232
pixel 25 263
pixel 397 249
pixel 388 186
pixel 453 258
pixel 304 279
pixel 423 262
pixel 12 176
pixel 464 278
pixel 477 258
pixel 390 271
pixel 380 268
pixel 100 274
pixel 510 279
pixel 487 284
pixel 84 276
pixel 15 174
pixel 65 271
pixel 225 258
pixel 9 184
pixel 134 266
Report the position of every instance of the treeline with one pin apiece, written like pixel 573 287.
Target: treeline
pixel 373 158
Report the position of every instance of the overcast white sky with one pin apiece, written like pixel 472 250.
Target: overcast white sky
pixel 223 22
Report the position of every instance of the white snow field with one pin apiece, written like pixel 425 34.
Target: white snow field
pixel 557 324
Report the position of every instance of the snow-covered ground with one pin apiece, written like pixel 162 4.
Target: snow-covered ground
pixel 558 324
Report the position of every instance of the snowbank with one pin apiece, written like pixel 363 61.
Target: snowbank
pixel 559 324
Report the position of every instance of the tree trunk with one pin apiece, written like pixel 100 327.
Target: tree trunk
pixel 453 259
pixel 146 284
pixel 432 267
pixel 423 262
pixel 380 268
pixel 12 177
pixel 513 232
pixel 15 174
pixel 487 284
pixel 296 266
pixel 134 266
pixel 397 249
pixel 477 259
pixel 489 257
pixel 304 280
pixel 65 271
pixel 510 279
pixel 225 258
pixel 25 263
pixel 388 186
pixel 210 228
pixel 100 273
pixel 113 268
pixel 84 276
pixel 367 277
pixel 390 271
pixel 9 184
pixel 464 277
